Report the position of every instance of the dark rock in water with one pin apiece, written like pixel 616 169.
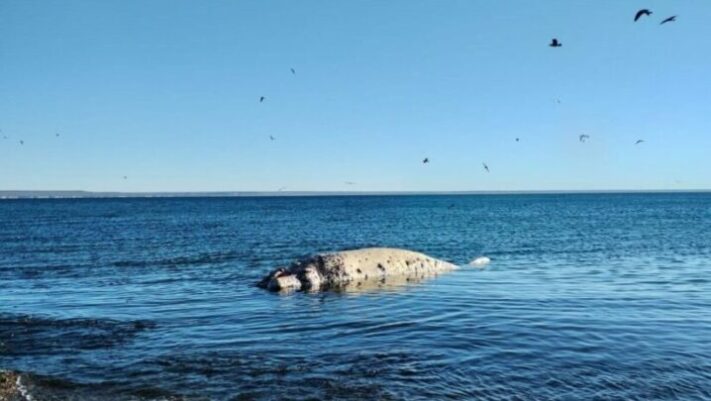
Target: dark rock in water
pixel 358 267
pixel 16 386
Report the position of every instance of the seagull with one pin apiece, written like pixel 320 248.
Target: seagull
pixel 583 137
pixel 517 139
pixel 555 43
pixel 22 142
pixel 271 137
pixel 427 160
pixel 642 12
pixel 670 19
pixel 293 71
pixel 485 167
pixel 557 101
pixel 639 141
pixel 261 99
pixel 125 177
pixel 56 134
pixel 350 183
pixel 281 189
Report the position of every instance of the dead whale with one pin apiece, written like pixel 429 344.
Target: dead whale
pixel 359 267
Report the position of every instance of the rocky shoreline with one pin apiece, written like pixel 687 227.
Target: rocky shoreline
pixel 8 386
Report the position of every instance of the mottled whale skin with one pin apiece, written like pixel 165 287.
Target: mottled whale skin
pixel 359 267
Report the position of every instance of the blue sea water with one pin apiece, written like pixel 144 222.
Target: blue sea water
pixel 588 297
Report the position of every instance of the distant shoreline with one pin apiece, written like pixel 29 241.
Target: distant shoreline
pixel 6 195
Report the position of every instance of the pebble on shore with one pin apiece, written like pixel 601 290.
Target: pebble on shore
pixel 8 386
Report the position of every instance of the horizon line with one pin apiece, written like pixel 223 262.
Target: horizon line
pixel 69 194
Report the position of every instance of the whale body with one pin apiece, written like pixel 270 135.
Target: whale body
pixel 355 268
pixel 480 261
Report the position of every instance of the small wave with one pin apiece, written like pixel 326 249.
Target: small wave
pixel 24 392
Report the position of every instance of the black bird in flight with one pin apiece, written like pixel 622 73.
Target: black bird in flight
pixel 517 139
pixel 583 137
pixel 293 71
pixel 555 43
pixel 670 19
pixel 271 137
pixel 639 141
pixel 485 167
pixel 261 99
pixel 427 160
pixel 22 142
pixel 642 12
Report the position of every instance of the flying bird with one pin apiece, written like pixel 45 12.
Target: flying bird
pixel 555 43
pixel 350 183
pixel 426 160
pixel 261 99
pixel 639 141
pixel 583 137
pixel 517 139
pixel 670 19
pixel 125 177
pixel 485 167
pixel 22 142
pixel 56 134
pixel 293 71
pixel 642 12
pixel 271 137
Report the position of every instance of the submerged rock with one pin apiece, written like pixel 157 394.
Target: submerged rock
pixel 359 268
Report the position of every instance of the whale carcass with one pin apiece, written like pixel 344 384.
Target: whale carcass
pixel 358 267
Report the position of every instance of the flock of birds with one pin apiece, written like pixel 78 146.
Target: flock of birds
pixel 555 43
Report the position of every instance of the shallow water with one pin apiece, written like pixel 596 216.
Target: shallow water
pixel 604 296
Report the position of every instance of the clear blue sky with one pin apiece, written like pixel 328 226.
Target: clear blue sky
pixel 167 93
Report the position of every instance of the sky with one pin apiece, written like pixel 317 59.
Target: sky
pixel 166 93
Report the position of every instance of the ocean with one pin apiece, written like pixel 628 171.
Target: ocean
pixel 587 297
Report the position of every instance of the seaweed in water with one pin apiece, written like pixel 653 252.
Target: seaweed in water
pixel 31 335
